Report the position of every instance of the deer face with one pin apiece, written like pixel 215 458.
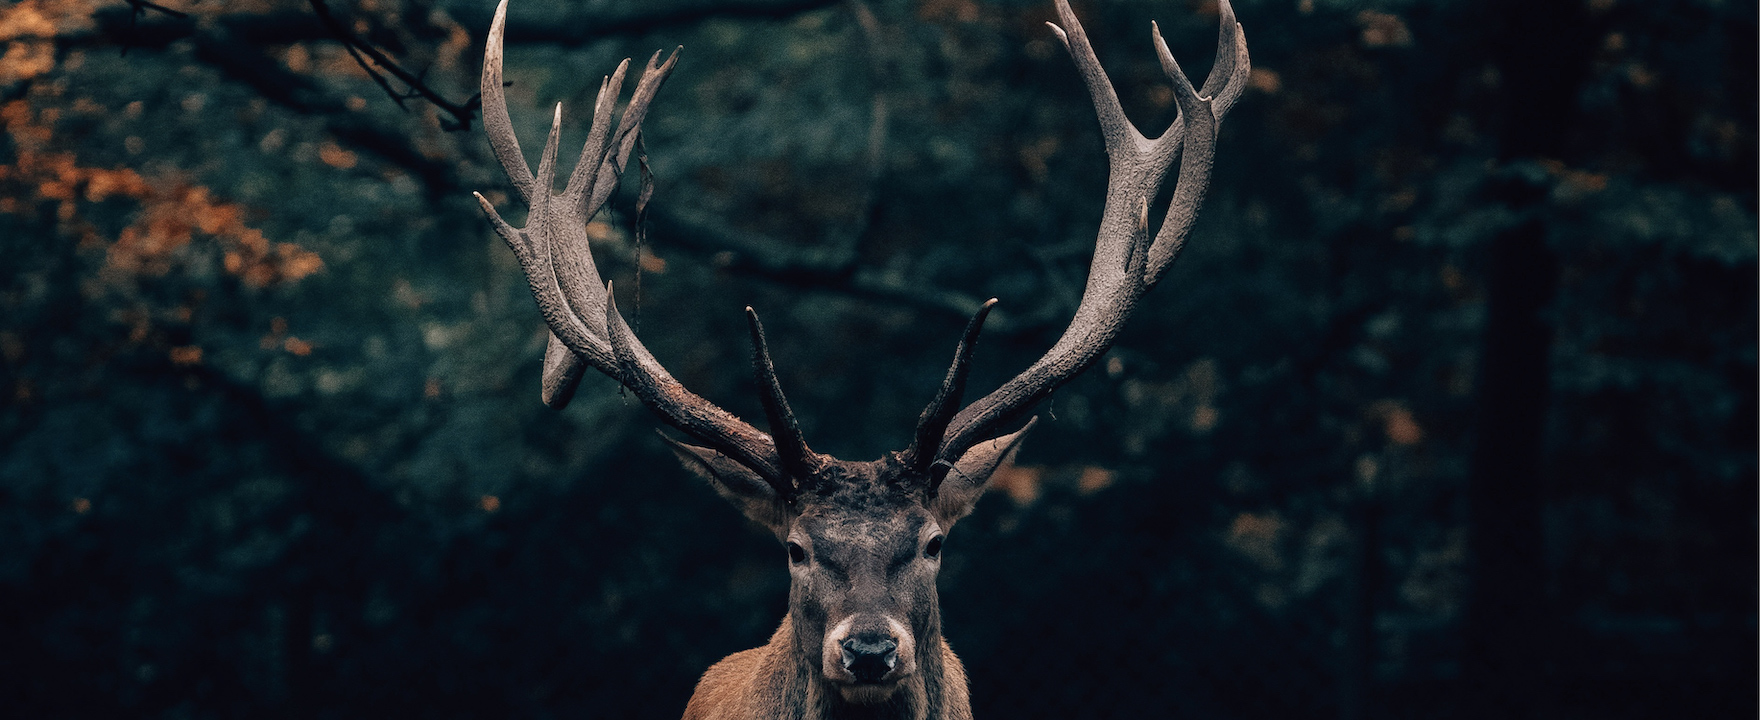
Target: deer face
pixel 862 591
pixel 863 547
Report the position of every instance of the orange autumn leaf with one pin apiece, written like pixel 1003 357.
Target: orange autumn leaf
pixel 172 212
pixel 336 157
pixel 186 355
pixel 1384 29
pixel 1094 479
pixel 1020 482
pixel 26 59
pixel 1398 422
pixel 46 18
pixel 1265 80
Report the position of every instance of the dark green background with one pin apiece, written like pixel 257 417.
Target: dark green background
pixel 1448 410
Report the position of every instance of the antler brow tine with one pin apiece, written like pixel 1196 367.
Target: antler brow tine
pixel 933 422
pixel 797 459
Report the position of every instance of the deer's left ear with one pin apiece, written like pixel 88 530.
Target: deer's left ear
pixel 738 484
pixel 969 476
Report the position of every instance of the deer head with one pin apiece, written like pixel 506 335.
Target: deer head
pixel 864 539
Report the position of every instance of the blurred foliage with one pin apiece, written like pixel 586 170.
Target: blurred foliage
pixel 271 442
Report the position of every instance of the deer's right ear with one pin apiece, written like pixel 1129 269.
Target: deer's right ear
pixel 745 489
pixel 968 477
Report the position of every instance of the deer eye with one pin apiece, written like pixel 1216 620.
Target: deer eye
pixel 796 554
pixel 933 549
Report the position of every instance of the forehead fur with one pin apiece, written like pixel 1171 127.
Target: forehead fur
pixel 863 493
pixel 857 486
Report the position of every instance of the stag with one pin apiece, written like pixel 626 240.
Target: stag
pixel 862 637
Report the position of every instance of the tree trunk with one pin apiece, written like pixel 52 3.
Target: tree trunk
pixel 1541 51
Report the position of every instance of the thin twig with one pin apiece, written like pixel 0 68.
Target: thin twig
pixel 647 193
pixel 139 8
pixel 462 113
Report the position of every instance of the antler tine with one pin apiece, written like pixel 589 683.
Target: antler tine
pixel 1117 129
pixel 1126 264
pixel 689 412
pixel 933 422
pixel 797 458
pixel 1199 140
pixel 533 251
pixel 496 124
pixel 1228 76
pixel 546 175
pixel 593 151
pixel 1202 112
pixel 629 126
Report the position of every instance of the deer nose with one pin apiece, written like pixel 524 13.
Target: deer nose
pixel 870 657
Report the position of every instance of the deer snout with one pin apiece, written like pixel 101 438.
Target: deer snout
pixel 869 657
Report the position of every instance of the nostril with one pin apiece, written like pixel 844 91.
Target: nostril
pixel 870 658
pixel 875 646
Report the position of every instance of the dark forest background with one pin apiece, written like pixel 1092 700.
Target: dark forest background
pixel 1447 412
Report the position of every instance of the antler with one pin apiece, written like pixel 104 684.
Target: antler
pixel 585 327
pixel 1127 263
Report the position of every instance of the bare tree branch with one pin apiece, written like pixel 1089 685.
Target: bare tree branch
pixel 462 113
pixel 286 28
pixel 576 29
pixel 137 8
pixel 244 62
pixel 233 44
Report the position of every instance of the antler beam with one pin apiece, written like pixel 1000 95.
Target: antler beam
pixel 1127 263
